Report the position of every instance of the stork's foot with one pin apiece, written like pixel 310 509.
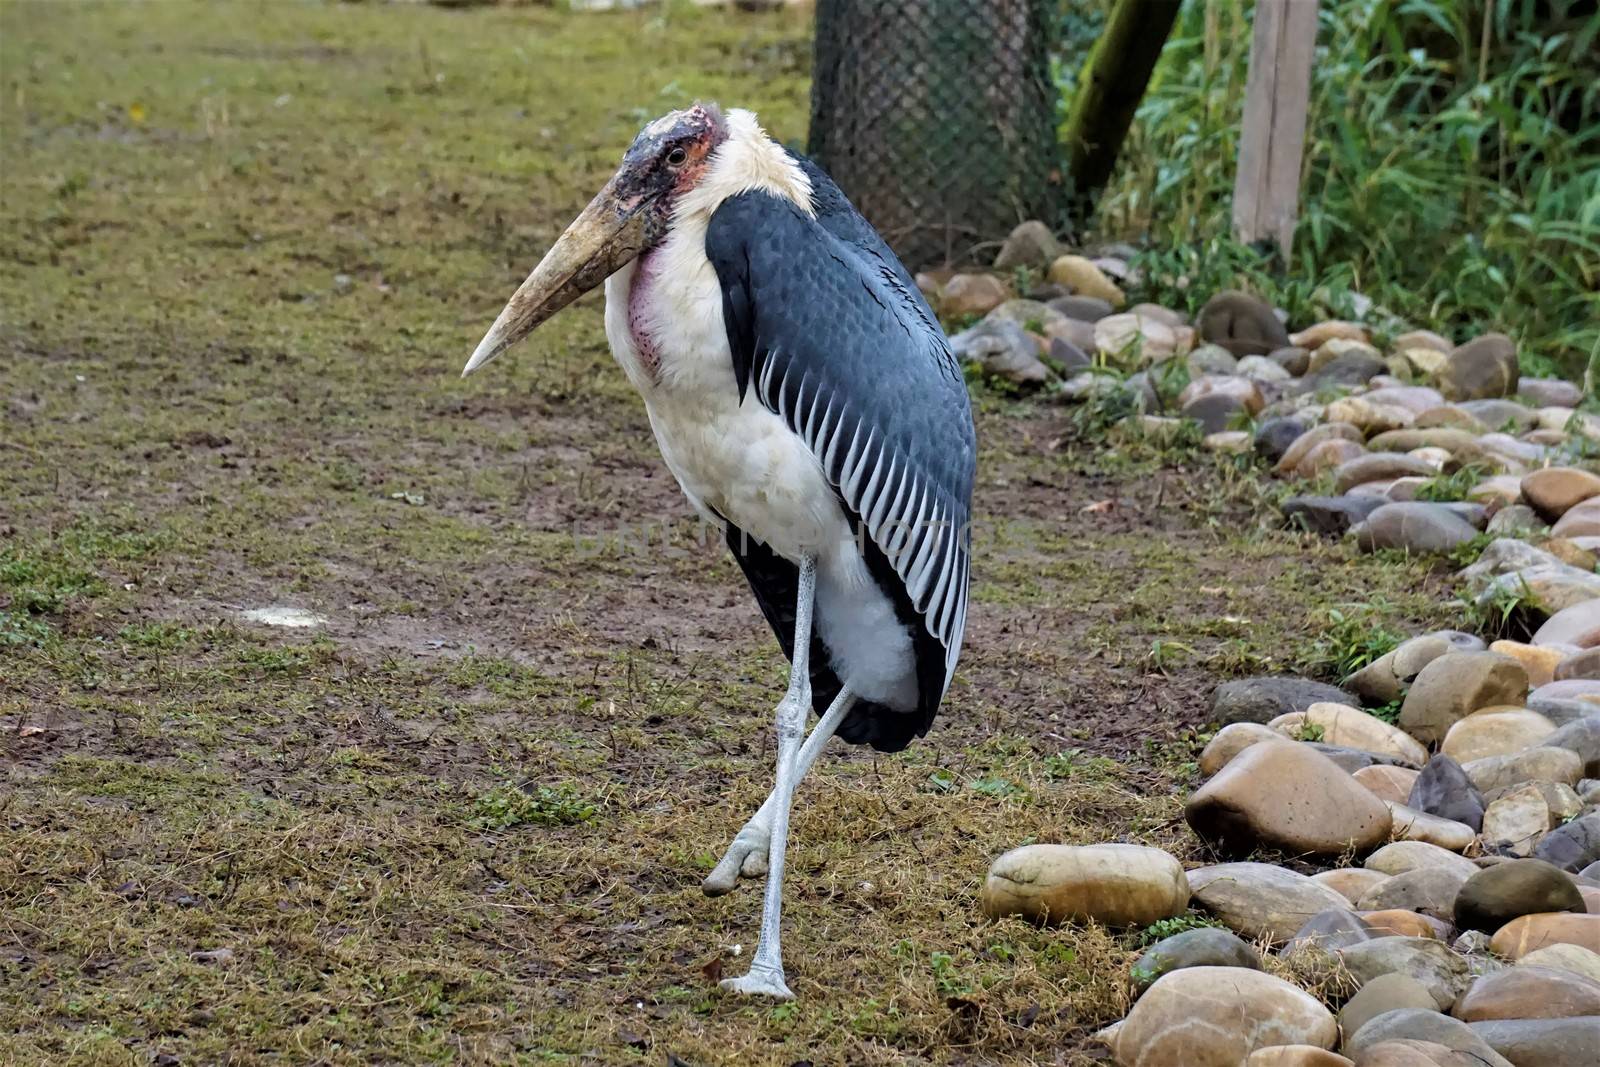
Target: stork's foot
pixel 746 856
pixel 762 981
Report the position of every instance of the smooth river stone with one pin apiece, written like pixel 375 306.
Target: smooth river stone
pixel 1115 884
pixel 1581 690
pixel 1260 900
pixel 1378 466
pixel 1576 626
pixel 1577 664
pixel 1549 392
pixel 1543 764
pixel 1540 661
pixel 1351 760
pixel 1419 1024
pixel 1506 555
pixel 1386 992
pixel 1328 931
pixel 1399 857
pixel 1525 992
pixel 1327 455
pixel 1495 733
pixel 1262 699
pixel 1330 516
pixel 1295 1056
pixel 1574 959
pixel 1217 1016
pixel 1503 488
pixel 1351 727
pixel 1371 417
pixel 1204 946
pixel 1385 679
pixel 1573 845
pixel 1543 1042
pixel 1449 438
pixel 1430 962
pixel 1315 336
pixel 1394 922
pixel 1351 882
pixel 1408 824
pixel 1230 741
pixel 1442 789
pixel 1282 794
pixel 1581 736
pixel 1423 339
pixel 1414 526
pixel 1523 935
pixel 1454 686
pixel 1581 521
pixel 1387 783
pixel 1496 895
pixel 1429 890
pixel 1410 1053
pixel 1550 590
pixel 1306 443
pixel 1513 824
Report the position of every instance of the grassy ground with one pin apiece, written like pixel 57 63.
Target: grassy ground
pixel 244 250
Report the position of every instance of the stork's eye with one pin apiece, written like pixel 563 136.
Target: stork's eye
pixel 678 156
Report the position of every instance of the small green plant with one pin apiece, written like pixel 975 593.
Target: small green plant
pixel 946 979
pixel 1165 653
pixel 1351 641
pixel 288 659
pixel 1169 379
pixel 18 628
pixel 506 806
pixel 1503 610
pixel 994 787
pixel 1162 929
pixel 1104 409
pixel 1453 486
pixel 1467 553
pixel 1025 280
pixel 1389 713
pixel 1309 731
pixel 1079 765
pixel 161 636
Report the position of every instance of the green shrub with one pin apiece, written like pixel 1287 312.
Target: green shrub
pixel 1451 170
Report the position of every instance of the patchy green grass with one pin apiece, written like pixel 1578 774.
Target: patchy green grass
pixel 244 250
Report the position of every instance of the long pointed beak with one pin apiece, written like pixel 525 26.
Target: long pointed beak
pixel 606 236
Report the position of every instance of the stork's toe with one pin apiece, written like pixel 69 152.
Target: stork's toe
pixel 760 982
pixel 746 857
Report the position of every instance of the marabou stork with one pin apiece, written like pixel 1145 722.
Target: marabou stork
pixel 803 395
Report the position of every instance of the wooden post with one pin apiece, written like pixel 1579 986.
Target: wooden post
pixel 1266 192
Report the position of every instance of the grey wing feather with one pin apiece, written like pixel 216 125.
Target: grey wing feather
pixel 826 326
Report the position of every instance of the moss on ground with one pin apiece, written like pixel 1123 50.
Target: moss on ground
pixel 244 250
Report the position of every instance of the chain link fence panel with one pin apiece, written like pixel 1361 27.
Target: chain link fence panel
pixel 938 119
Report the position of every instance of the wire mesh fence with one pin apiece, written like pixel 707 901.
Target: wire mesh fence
pixel 938 118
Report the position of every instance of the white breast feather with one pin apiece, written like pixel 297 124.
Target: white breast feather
pixel 740 460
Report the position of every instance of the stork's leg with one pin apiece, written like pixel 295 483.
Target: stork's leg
pixel 766 967
pixel 747 855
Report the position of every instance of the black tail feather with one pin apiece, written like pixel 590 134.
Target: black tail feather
pixel 776 583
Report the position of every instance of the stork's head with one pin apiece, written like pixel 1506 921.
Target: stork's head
pixel 627 217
